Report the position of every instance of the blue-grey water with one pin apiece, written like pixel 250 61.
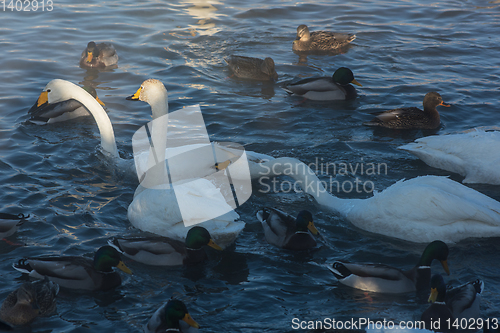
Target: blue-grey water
pixel 55 173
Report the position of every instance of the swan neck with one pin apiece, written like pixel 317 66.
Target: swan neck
pixel 159 105
pixel 104 125
pixel 303 176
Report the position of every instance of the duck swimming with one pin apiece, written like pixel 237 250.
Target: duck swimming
pixel 29 301
pixel 319 41
pixel 412 118
pixel 171 317
pixel 9 223
pixel 458 303
pixel 163 251
pixel 77 272
pixel 252 68
pixel 335 88
pixel 287 232
pixel 98 56
pixel 386 279
pixel 43 112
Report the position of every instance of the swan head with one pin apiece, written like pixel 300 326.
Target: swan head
pixel 305 222
pixel 155 94
pixel 59 90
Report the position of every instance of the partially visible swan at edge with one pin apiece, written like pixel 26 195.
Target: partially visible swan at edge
pixel 472 154
pixel 419 210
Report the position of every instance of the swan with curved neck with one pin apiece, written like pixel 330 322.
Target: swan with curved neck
pixel 420 210
pixel 60 90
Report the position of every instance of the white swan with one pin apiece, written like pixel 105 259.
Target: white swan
pixel 57 91
pixel 472 154
pixel 170 209
pixel 420 210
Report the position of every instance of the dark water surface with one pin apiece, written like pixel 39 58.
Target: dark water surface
pixel 77 200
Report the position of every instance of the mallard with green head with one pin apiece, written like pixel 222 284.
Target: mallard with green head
pixel 320 41
pixel 335 88
pixel 29 301
pixel 78 272
pixel 285 231
pixel 9 223
pixel 252 68
pixel 163 251
pixel 412 118
pixel 387 279
pixel 98 56
pixel 171 317
pixel 457 303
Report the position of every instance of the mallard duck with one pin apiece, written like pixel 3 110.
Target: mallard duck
pixel 9 223
pixel 171 317
pixel 457 303
pixel 286 231
pixel 468 154
pixel 163 251
pixel 30 300
pixel 78 272
pixel 252 68
pixel 43 112
pixel 412 118
pixel 386 279
pixel 332 88
pixel 98 56
pixel 319 41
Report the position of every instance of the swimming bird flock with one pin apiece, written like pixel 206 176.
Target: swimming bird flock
pixel 432 210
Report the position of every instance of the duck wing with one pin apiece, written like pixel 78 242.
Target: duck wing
pixel 321 84
pixel 151 250
pixel 464 300
pixel 68 268
pixel 278 226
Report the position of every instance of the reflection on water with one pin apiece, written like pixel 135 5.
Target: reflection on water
pixel 204 11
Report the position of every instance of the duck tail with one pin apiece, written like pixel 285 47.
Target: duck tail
pixel 351 38
pixel 478 285
pixel 113 242
pixel 339 270
pixel 288 90
pixel 23 266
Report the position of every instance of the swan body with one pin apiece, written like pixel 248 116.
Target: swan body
pixel 319 41
pixel 469 154
pixel 252 68
pixel 43 112
pixel 98 56
pixel 420 210
pixel 77 272
pixel 386 279
pixel 332 88
pixel 172 316
pixel 9 223
pixel 458 303
pixel 162 251
pixel 285 231
pixel 156 204
pixel 412 118
pixel 29 301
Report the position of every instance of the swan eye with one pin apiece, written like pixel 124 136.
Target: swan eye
pixel 48 90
